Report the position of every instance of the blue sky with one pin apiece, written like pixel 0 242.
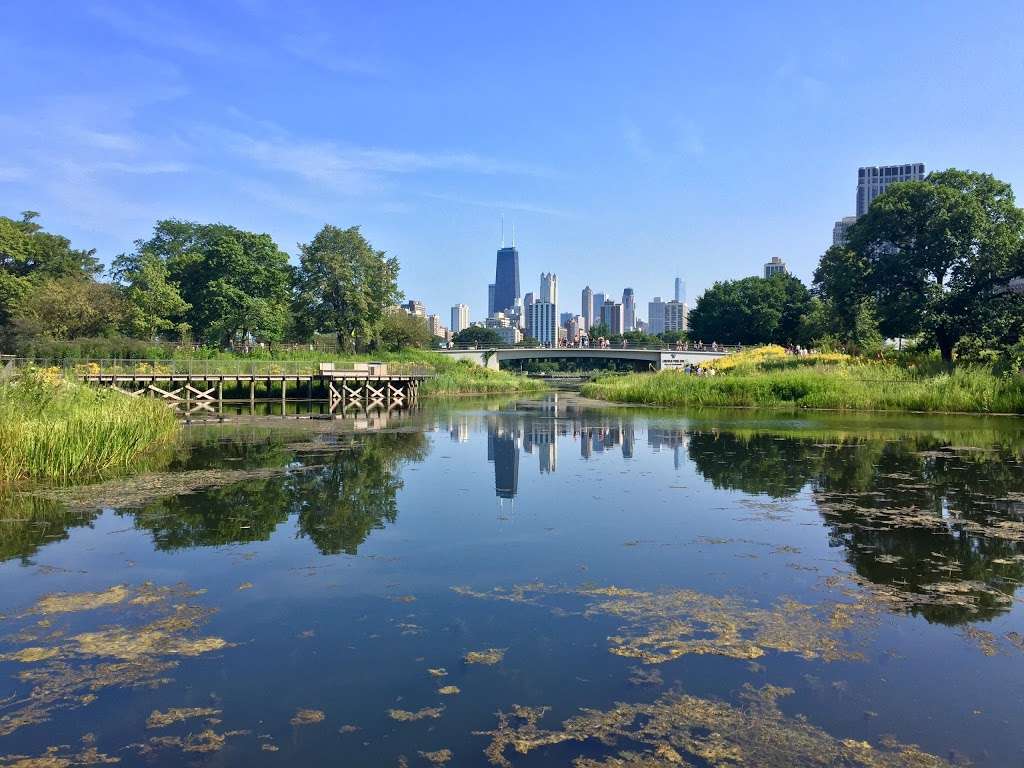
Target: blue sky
pixel 626 142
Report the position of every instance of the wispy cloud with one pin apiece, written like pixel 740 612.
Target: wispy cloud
pixel 352 168
pixel 155 27
pixel 325 52
pixel 13 173
pixel 680 137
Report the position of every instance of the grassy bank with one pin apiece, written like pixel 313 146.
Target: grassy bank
pixel 52 429
pixel 465 378
pixel 825 381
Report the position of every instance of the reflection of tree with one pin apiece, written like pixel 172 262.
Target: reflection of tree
pixel 246 511
pixel 757 463
pixel 27 523
pixel 340 503
pixel 337 502
pixel 908 512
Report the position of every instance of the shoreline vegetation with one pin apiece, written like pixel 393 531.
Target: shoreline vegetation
pixel 54 429
pixel 767 377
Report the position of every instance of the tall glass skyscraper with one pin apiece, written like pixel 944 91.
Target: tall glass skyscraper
pixel 506 279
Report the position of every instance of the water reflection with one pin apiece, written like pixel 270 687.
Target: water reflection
pixel 920 514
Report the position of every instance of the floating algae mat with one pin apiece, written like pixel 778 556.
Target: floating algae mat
pixel 676 729
pixel 526 583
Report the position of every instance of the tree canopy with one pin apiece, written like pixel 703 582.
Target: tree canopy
pixel 753 310
pixel 931 258
pixel 346 286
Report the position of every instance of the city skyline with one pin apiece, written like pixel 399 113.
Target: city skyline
pixel 706 177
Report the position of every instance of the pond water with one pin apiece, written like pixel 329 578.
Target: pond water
pixel 530 583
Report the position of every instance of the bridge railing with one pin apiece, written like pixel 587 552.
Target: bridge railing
pixel 199 367
pixel 663 347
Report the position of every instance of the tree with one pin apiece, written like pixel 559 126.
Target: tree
pixel 481 337
pixel 154 302
pixel 237 284
pixel 599 331
pixel 68 308
pixel 939 254
pixel 400 330
pixel 347 286
pixel 753 310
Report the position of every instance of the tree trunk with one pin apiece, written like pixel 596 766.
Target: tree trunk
pixel 946 343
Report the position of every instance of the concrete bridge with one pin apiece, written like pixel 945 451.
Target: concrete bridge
pixel 657 359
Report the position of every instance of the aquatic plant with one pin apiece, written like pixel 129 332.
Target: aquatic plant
pixel 53 429
pixel 854 385
pixel 678 728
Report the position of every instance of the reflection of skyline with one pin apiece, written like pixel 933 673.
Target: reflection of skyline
pixel 675 440
pixel 502 449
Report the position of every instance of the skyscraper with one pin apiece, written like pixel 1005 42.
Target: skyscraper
pixel 587 307
pixel 612 316
pixel 549 287
pixel 680 293
pixel 873 180
pixel 542 322
pixel 628 310
pixel 840 228
pixel 415 307
pixel 656 316
pixel 598 303
pixel 490 299
pixel 460 317
pixel 675 316
pixel 775 267
pixel 506 279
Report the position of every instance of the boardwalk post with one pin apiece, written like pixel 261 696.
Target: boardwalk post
pixel 284 390
pixel 252 396
pixel 220 397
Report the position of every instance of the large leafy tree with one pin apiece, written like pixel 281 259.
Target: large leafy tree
pixel 68 308
pixel 346 286
pixel 154 302
pixel 753 310
pixel 935 255
pixel 29 256
pixel 236 284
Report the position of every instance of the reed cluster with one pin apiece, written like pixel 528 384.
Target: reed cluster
pixel 54 429
pixel 831 382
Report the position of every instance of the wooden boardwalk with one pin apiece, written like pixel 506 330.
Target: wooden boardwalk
pixel 208 393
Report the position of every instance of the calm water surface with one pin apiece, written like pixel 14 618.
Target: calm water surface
pixel 750 590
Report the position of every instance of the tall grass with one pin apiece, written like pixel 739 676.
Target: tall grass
pixel 837 385
pixel 52 429
pixel 464 377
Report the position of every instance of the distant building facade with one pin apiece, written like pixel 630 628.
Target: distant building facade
pixel 587 308
pixel 437 327
pixel 775 267
pixel 549 287
pixel 840 229
pixel 675 316
pixel 628 310
pixel 873 181
pixel 656 316
pixel 542 322
pixel 415 308
pixel 680 290
pixel 490 299
pixel 460 318
pixel 506 279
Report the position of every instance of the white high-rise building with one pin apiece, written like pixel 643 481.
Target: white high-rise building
pixel 840 228
pixel 460 317
pixel 542 322
pixel 675 316
pixel 873 181
pixel 549 287
pixel 775 267
pixel 587 307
